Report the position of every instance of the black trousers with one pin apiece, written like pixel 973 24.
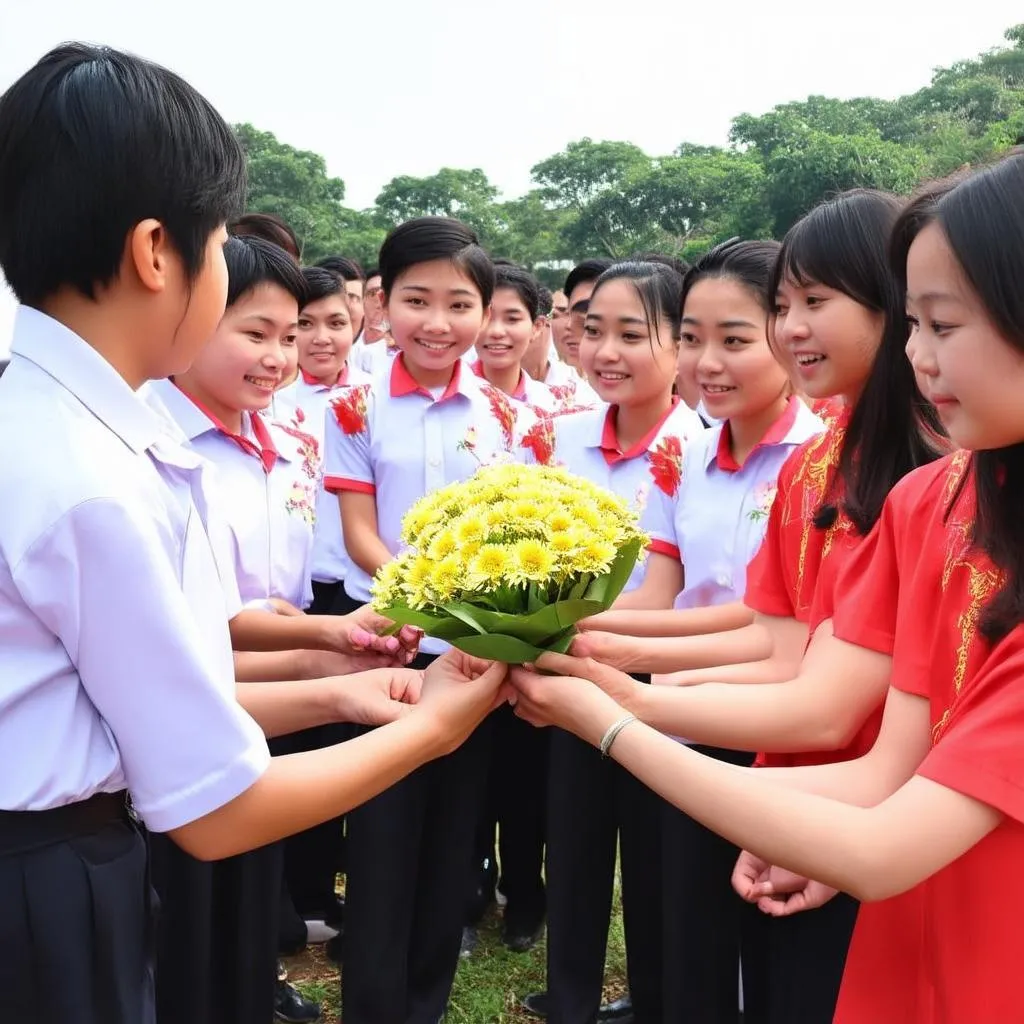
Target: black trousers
pixel 793 966
pixel 76 931
pixel 705 923
pixel 313 858
pixel 217 935
pixel 517 808
pixel 595 806
pixel 410 851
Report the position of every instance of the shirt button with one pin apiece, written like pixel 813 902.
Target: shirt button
pixel 723 579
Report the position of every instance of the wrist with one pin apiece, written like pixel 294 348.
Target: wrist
pixel 326 631
pixel 639 702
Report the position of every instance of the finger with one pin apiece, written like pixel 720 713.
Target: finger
pixel 560 664
pixel 410 636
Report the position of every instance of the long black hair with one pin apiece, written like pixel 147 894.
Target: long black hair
pixel 982 217
pixel 844 244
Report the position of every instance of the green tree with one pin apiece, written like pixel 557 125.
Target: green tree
pixel 467 195
pixel 294 184
pixel 529 230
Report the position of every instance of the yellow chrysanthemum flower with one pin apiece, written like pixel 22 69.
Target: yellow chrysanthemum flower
pixel 533 560
pixel 492 564
pixel 595 556
pixel 443 546
pixel 471 528
pixel 446 578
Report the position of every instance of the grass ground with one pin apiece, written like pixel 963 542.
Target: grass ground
pixel 488 986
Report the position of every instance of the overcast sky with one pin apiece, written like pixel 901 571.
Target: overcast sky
pixel 409 86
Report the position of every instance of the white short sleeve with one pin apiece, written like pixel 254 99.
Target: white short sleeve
pixel 149 651
pixel 347 462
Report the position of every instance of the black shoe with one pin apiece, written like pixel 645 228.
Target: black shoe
pixel 536 1004
pixel 470 940
pixel 619 1012
pixel 293 1007
pixel 521 939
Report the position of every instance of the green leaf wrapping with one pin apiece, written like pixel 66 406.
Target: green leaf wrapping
pixel 516 638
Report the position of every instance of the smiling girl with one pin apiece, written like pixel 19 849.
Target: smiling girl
pixel 934 808
pixel 631 445
pixel 503 343
pixel 711 520
pixel 427 422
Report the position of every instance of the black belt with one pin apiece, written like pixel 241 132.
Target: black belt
pixel 21 831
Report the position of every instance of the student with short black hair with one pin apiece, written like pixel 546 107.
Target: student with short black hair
pixel 503 343
pixel 427 421
pixel 352 274
pixel 117 181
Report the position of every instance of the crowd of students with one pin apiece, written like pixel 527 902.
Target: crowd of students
pixel 795 730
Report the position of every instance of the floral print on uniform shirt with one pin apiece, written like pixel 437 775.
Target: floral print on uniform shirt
pixel 350 409
pixel 666 463
pixel 540 439
pixel 764 498
pixel 503 412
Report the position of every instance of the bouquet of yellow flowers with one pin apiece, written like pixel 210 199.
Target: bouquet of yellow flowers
pixel 503 565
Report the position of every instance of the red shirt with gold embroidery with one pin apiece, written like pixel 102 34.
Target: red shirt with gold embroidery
pixel 784 573
pixel 796 571
pixel 966 917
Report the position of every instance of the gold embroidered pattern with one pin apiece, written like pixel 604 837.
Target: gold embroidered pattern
pixel 811 481
pixel 982 580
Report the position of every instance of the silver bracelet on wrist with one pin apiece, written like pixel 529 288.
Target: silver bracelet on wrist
pixel 613 731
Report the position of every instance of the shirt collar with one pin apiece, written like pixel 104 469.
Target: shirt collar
pixel 520 392
pixel 77 367
pixel 778 433
pixel 316 382
pixel 403 383
pixel 195 420
pixel 609 440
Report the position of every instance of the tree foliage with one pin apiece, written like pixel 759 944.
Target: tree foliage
pixel 611 198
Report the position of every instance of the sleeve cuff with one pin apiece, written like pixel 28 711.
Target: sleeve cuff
pixel 336 484
pixel 663 547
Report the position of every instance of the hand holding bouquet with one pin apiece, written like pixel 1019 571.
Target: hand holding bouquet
pixel 503 565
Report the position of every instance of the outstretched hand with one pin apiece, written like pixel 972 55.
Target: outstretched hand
pixel 613 649
pixel 460 691
pixel 572 697
pixel 360 632
pixel 378 697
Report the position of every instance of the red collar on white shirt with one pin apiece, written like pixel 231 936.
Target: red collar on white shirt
pixel 609 442
pixel 775 434
pixel 403 383
pixel 520 391
pixel 342 380
pixel 261 444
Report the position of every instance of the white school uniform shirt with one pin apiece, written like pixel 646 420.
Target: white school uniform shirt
pixel 266 481
pixel 116 668
pixel 586 444
pixel 714 519
pixel 329 562
pixel 398 442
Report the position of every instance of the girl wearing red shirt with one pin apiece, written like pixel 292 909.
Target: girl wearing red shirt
pixel 936 805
